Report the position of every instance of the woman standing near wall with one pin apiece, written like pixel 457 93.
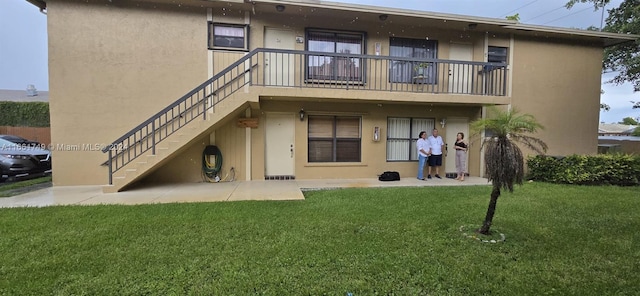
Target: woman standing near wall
pixel 461 156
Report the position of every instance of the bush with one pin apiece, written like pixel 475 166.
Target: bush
pixel 613 169
pixel 34 114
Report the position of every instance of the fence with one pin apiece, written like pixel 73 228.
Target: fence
pixel 39 134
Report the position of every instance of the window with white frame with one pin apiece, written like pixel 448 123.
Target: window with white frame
pixel 402 134
pixel 334 138
pixel 335 67
pixel 408 71
pixel 497 54
pixel 228 36
pixel 494 76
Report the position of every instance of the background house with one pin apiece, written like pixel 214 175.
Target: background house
pixel 614 129
pixel 617 138
pixel 285 93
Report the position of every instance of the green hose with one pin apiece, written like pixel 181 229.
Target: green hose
pixel 211 170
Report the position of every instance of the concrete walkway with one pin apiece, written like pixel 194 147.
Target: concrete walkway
pixel 208 192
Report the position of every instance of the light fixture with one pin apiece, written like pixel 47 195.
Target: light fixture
pixel 383 17
pixel 472 26
pixel 280 8
pixel 443 121
pixel 301 114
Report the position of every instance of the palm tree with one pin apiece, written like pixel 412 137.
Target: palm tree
pixel 503 159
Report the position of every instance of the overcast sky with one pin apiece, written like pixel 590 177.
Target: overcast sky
pixel 23 37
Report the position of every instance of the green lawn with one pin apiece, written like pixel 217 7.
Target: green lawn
pixel 561 240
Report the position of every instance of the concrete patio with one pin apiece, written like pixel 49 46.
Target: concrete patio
pixel 209 192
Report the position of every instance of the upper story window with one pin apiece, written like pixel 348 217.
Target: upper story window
pixel 334 67
pixel 407 71
pixel 497 54
pixel 495 76
pixel 228 36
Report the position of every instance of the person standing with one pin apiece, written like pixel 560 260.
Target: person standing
pixel 461 156
pixel 435 156
pixel 423 153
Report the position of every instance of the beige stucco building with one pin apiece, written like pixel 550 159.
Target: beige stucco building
pixel 298 89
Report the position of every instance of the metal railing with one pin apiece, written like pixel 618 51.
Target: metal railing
pixel 289 68
pixel 305 69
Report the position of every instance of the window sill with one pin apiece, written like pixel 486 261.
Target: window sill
pixel 335 164
pixel 333 81
pixel 236 49
pixel 415 80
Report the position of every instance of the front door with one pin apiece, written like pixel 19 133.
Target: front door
pixel 279 150
pixel 454 126
pixel 460 75
pixel 279 67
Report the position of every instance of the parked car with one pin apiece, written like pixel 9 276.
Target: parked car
pixel 20 140
pixel 18 160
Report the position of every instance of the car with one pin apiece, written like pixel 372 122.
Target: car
pixel 20 140
pixel 18 160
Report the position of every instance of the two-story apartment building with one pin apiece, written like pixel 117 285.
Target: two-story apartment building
pixel 298 89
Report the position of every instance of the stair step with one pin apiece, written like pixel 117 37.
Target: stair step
pixel 109 189
pixel 174 142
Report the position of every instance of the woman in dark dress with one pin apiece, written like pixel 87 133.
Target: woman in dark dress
pixel 461 156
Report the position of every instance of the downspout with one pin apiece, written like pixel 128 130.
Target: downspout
pixel 483 110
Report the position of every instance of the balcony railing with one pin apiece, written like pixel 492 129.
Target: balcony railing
pixel 304 69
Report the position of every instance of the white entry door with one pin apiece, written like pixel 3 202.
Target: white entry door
pixel 460 75
pixel 454 126
pixel 279 67
pixel 279 150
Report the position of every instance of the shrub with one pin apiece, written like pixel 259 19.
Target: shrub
pixel 24 114
pixel 613 169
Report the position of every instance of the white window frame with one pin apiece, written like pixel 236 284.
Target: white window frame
pixel 212 36
pixel 402 134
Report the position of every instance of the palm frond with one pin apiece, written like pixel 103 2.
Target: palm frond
pixel 532 143
pixel 504 162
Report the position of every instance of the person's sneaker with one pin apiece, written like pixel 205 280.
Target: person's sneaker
pixel 438 176
pixel 428 176
pixel 421 179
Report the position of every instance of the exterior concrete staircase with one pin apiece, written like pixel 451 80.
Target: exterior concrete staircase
pixel 147 162
pixel 155 141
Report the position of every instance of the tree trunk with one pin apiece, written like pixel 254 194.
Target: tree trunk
pixel 488 220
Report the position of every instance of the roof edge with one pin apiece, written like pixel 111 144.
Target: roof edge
pixel 569 31
pixel 39 3
pixel 389 10
pixel 507 24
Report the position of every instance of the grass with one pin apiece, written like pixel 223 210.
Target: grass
pixel 10 189
pixel 560 240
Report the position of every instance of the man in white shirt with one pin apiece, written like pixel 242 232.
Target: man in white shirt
pixel 435 158
pixel 423 153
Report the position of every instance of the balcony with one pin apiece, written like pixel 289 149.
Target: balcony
pixel 305 69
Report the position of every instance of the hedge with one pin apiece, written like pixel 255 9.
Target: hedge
pixel 602 169
pixel 34 114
